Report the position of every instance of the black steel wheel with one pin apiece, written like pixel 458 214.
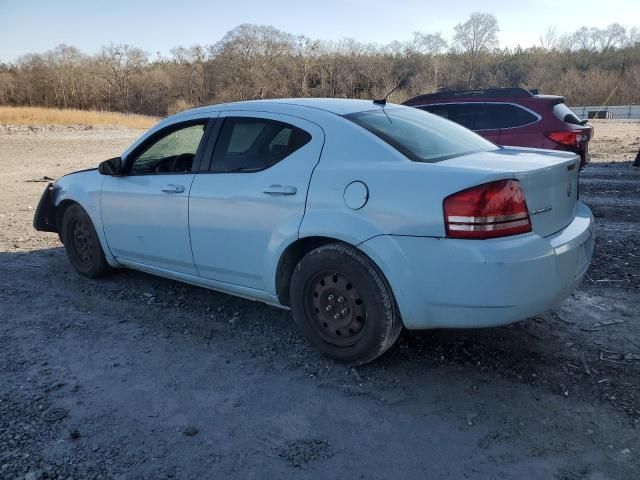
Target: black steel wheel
pixel 81 243
pixel 343 304
pixel 335 308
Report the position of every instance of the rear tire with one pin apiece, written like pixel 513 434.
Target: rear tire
pixel 82 244
pixel 343 305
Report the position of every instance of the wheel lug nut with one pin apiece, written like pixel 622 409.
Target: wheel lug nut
pixel 340 299
pixel 344 311
pixel 331 298
pixel 336 316
pixel 329 308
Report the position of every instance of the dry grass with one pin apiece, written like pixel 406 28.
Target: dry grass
pixel 54 116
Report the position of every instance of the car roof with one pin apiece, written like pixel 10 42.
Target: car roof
pixel 512 95
pixel 337 106
pixel 316 110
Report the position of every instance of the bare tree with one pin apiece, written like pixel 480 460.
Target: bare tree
pixel 308 61
pixel 429 43
pixel 257 61
pixel 633 37
pixel 611 37
pixel 549 40
pixel 118 64
pixel 586 39
pixel 432 46
pixel 592 39
pixel 255 58
pixel 476 36
pixel 68 65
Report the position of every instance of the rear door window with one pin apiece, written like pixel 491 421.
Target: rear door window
pixel 248 144
pixel 244 135
pixel 440 110
pixel 484 120
pixel 507 115
pixel 465 114
pixel 473 116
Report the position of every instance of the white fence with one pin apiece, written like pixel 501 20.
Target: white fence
pixel 617 112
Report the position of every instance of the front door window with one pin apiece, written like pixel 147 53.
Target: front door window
pixel 171 153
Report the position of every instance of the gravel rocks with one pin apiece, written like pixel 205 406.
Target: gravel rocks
pixel 133 375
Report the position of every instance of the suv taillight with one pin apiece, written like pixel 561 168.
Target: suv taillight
pixel 490 210
pixel 569 139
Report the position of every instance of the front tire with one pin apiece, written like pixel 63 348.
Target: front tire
pixel 343 305
pixel 82 244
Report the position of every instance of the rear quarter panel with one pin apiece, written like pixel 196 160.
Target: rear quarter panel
pixel 534 134
pixel 405 197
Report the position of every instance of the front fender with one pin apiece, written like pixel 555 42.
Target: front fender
pixel 84 189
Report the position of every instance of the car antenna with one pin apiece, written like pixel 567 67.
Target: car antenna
pixel 383 101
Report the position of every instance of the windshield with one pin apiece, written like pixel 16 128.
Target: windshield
pixel 565 114
pixel 421 136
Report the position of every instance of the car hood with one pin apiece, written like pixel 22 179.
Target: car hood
pixel 80 171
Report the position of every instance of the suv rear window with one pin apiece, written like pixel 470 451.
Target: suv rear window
pixel 420 136
pixel 565 114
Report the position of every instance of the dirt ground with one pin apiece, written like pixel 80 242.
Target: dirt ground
pixel 134 376
pixel 614 140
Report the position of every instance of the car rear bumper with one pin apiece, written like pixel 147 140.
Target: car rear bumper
pixel 585 156
pixel 453 283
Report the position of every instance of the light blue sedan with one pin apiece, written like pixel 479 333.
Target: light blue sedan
pixel 361 217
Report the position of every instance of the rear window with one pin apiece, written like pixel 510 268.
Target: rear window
pixel 420 136
pixel 565 114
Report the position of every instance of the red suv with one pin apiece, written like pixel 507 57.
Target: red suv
pixel 512 116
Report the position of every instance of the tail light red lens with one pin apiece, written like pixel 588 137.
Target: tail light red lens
pixel 569 139
pixel 564 138
pixel 490 210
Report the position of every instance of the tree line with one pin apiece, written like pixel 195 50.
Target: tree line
pixel 587 66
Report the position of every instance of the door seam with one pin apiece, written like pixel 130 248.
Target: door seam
pixel 193 260
pixel 313 170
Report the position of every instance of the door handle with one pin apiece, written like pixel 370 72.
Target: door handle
pixel 280 190
pixel 171 188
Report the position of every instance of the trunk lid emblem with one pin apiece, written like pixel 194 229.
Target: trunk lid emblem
pixel 541 210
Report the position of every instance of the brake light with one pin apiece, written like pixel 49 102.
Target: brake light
pixel 490 210
pixel 569 139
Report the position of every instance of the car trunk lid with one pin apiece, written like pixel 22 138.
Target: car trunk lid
pixel 548 180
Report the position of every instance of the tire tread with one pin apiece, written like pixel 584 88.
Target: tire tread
pixel 100 266
pixel 392 326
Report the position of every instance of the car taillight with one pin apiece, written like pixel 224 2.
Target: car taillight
pixel 490 210
pixel 569 139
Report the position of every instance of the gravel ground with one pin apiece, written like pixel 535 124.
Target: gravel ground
pixel 134 376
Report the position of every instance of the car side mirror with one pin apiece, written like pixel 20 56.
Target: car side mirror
pixel 112 167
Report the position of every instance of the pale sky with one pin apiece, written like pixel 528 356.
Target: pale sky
pixel 36 25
